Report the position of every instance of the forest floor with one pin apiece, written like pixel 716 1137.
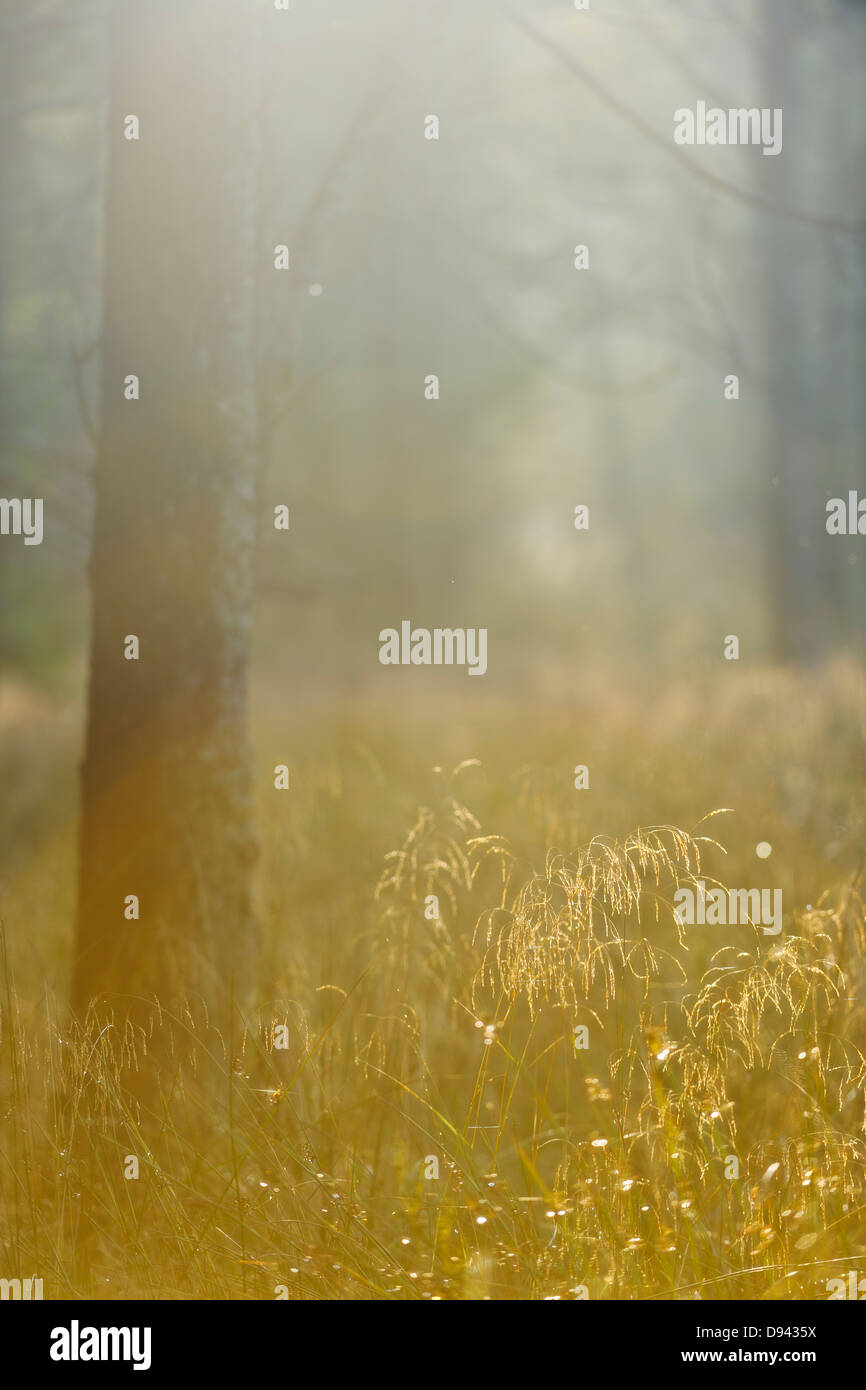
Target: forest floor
pixel 485 1059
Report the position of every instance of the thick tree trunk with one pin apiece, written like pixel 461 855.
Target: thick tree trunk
pixel 167 778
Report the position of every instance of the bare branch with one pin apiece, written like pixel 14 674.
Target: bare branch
pixel 730 190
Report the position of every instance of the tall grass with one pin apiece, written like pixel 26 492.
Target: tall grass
pixel 435 1128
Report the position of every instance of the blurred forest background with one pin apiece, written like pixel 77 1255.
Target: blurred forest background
pixel 559 387
pixel 455 257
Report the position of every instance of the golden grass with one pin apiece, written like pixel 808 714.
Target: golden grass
pixel 560 1168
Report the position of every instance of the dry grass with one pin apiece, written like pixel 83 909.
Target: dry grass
pixel 561 1168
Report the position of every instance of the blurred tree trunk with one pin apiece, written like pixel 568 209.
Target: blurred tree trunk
pixel 794 496
pixel 167 810
pixel 843 267
pixel 12 67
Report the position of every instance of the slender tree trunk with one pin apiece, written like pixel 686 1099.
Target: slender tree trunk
pixel 794 501
pixel 11 85
pixel 167 810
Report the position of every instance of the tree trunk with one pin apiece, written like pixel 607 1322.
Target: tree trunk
pixel 794 499
pixel 167 810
